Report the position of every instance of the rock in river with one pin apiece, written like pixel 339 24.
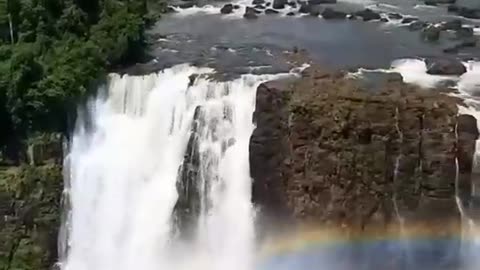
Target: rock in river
pixel 445 66
pixel 368 15
pixel 279 4
pixel 226 9
pixel 329 13
pixel 271 11
pixel 250 13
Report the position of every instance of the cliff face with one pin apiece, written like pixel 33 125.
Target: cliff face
pixel 327 152
pixel 29 206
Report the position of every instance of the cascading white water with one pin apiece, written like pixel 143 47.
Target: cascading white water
pixel 124 163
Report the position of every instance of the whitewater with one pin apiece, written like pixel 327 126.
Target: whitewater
pixel 126 173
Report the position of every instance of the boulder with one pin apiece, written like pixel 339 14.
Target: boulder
pixel 271 11
pixel 319 2
pixel 279 4
pixel 259 7
pixel 407 20
pixel 268 4
pixel 368 15
pixel 445 66
pixel 330 14
pixel 454 24
pixel 258 2
pixel 250 13
pixel 395 16
pixel 292 4
pixel 236 6
pixel 470 13
pixel 417 25
pixel 291 13
pixel 226 9
pixel 384 20
pixel 431 33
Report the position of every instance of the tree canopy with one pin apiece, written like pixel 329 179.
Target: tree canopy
pixel 52 52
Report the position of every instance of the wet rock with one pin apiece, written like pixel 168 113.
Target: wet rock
pixel 464 32
pixel 470 13
pixel 407 20
pixel 384 20
pixel 454 24
pixel 315 10
pixel 236 7
pixel 368 15
pixel 444 66
pixel 395 16
pixel 259 7
pixel 437 2
pixel 304 8
pixel 431 33
pixel 279 4
pixel 319 2
pixel 329 14
pixel 271 11
pixel 467 124
pixel 292 4
pixel 226 9
pixel 258 2
pixel 291 13
pixel 250 13
pixel 417 25
pixel 268 4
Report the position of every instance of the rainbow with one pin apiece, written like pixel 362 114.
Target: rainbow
pixel 440 246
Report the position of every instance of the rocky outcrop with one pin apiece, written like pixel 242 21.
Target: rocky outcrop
pixel 330 14
pixel 250 13
pixel 368 15
pixel 226 9
pixel 30 206
pixel 279 4
pixel 328 152
pixel 445 66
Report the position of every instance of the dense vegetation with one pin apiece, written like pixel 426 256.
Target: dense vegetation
pixel 52 52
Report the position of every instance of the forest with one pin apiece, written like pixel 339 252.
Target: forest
pixel 53 53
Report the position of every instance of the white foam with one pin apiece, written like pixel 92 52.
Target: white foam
pixel 415 71
pixel 195 10
pixel 469 82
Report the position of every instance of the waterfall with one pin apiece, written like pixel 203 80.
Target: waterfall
pixel 470 224
pixel 160 155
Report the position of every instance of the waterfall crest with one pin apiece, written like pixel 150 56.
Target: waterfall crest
pixel 157 175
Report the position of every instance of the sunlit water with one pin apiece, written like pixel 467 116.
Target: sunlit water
pixel 125 162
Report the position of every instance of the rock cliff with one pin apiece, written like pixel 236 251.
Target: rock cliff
pixel 326 151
